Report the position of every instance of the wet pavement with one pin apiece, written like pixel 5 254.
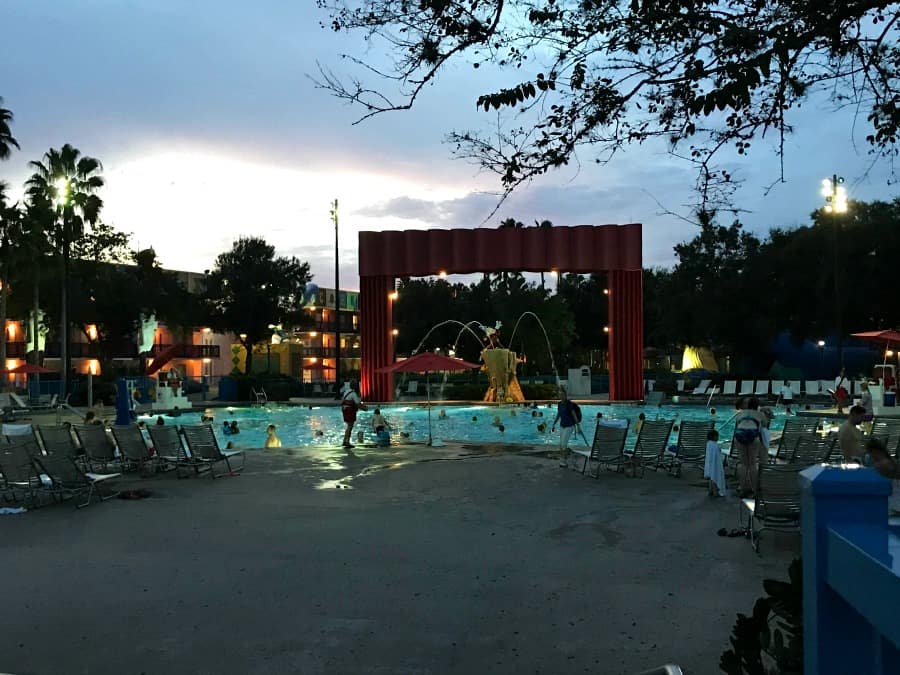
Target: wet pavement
pixel 462 559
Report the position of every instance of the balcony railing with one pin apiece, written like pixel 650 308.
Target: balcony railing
pixel 125 350
pixel 189 351
pixel 329 327
pixel 329 352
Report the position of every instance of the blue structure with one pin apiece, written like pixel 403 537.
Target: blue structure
pixel 851 589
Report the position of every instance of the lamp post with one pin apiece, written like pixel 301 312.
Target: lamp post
pixel 836 204
pixel 337 298
pixel 62 204
pixel 821 345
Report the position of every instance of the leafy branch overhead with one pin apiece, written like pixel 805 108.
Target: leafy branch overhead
pixel 705 74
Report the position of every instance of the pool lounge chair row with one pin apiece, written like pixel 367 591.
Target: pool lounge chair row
pixel 651 449
pixel 88 448
pixel 799 388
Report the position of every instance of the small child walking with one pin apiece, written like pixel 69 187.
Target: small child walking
pixel 714 466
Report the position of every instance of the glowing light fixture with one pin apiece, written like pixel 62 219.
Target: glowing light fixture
pixel 393 295
pixel 206 330
pixel 243 336
pixel 605 329
pixel 889 353
pixel 312 333
pixel 554 273
pixel 312 359
pixel 395 332
pixel 207 360
pixel 835 195
pixel 442 274
pixel 821 343
pixel 605 291
pixel 91 331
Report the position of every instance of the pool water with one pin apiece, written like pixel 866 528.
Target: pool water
pixel 297 425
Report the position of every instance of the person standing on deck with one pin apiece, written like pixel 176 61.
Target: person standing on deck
pixel 565 415
pixel 350 404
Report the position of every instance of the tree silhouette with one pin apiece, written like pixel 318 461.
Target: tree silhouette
pixel 599 75
pixel 64 187
pixel 7 142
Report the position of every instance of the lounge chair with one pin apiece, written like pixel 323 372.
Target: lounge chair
pixel 700 389
pixel 888 431
pixel 99 450
pixel 134 450
pixel 824 388
pixel 762 388
pixel 650 445
pixel 746 388
pixel 777 502
pixel 795 388
pixel 66 478
pixel 691 445
pixel 412 388
pixel 56 440
pixel 812 388
pixel 812 449
pixel 607 447
pixel 260 396
pixel 168 448
pixel 794 429
pixel 19 472
pixel 679 386
pixel 204 448
pixel 729 388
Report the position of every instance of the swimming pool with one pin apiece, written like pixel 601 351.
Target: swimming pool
pixel 297 425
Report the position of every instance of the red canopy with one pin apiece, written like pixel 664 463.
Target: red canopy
pixel 886 336
pixel 428 362
pixel 27 369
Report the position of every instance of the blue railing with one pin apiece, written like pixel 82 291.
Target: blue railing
pixel 851 587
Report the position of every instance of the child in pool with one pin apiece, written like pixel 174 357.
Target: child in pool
pixel 272 440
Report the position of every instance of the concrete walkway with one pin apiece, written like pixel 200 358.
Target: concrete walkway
pixel 492 563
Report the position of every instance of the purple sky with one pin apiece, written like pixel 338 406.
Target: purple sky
pixel 209 128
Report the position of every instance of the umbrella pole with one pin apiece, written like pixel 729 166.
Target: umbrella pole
pixel 428 402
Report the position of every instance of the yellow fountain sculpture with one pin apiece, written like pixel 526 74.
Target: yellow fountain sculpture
pixel 500 364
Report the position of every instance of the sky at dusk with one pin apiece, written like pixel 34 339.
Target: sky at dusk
pixel 209 127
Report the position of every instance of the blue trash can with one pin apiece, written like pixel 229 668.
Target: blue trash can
pixel 890 398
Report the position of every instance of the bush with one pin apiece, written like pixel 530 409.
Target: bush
pixel 770 641
pixel 540 392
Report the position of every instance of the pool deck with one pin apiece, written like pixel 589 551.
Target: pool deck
pixel 463 559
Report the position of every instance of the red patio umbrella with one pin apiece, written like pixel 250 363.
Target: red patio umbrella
pixel 428 362
pixel 885 337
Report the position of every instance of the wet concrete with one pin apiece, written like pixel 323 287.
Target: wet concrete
pixel 495 563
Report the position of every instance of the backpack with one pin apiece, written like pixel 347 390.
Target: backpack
pixel 746 435
pixel 576 412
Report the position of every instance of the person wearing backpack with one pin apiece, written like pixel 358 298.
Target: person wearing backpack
pixel 748 434
pixel 568 414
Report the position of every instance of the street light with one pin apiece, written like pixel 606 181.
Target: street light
pixel 836 204
pixel 821 345
pixel 62 199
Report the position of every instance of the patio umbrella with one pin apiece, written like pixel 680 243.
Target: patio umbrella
pixel 885 337
pixel 428 362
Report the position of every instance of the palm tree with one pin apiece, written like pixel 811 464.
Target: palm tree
pixel 35 246
pixel 65 184
pixel 7 142
pixel 10 228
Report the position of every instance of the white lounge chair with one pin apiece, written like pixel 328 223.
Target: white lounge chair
pixel 679 385
pixel 825 385
pixel 413 387
pixel 812 388
pixel 701 388
pixel 795 387
pixel 746 387
pixel 762 388
pixel 729 388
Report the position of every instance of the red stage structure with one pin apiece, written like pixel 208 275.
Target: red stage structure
pixel 611 249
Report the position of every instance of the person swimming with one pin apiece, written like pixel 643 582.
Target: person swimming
pixel 501 428
pixel 496 421
pixel 272 440
pixel 542 427
pixel 443 415
pixel 474 418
